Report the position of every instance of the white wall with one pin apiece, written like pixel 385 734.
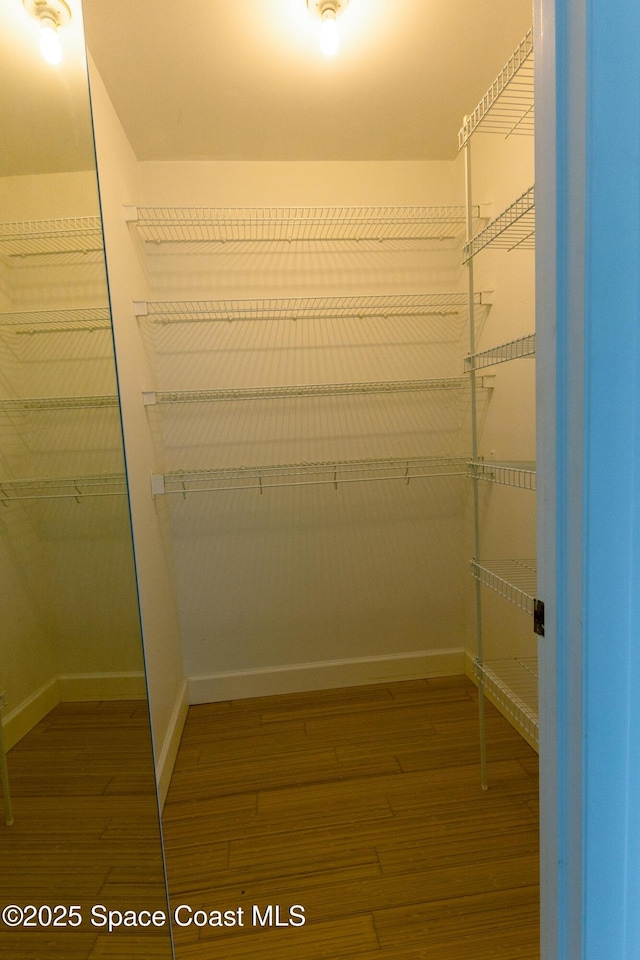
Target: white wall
pixel 313 586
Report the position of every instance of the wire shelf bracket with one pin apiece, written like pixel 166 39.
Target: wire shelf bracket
pixel 64 488
pixel 520 474
pixel 34 237
pixel 507 106
pixel 336 473
pixel 515 580
pixel 289 224
pixel 151 397
pixel 523 347
pixel 310 308
pixel 514 228
pixel 512 685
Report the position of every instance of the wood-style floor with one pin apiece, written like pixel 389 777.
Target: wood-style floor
pixel 363 806
pixel 86 832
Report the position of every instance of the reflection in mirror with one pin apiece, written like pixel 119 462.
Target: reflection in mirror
pixel 79 823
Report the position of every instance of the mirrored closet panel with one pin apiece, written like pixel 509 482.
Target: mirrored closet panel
pixel 79 821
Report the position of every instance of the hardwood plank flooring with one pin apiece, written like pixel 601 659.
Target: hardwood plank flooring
pixel 86 832
pixel 364 806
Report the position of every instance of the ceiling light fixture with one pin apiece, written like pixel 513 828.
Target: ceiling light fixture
pixel 50 14
pixel 328 11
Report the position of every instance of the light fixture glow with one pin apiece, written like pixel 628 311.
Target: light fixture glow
pixel 50 46
pixel 327 11
pixel 329 35
pixel 50 14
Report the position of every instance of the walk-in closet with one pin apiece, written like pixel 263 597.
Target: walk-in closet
pixel 268 489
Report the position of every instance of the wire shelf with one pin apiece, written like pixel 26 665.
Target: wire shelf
pixel 507 106
pixel 200 224
pixel 69 235
pixel 513 350
pixel 57 403
pixel 513 686
pixel 334 472
pixel 30 322
pixel 514 228
pixel 308 308
pixel 521 474
pixel 515 580
pixel 305 390
pixel 65 488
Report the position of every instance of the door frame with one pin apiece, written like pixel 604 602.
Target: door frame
pixel 588 389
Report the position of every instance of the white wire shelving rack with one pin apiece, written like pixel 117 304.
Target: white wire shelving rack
pixel 513 228
pixel 30 322
pixel 523 347
pixel 506 109
pixel 64 235
pixel 507 106
pixel 512 685
pixel 288 392
pixel 334 472
pixel 293 224
pixel 520 474
pixel 309 308
pixel 64 488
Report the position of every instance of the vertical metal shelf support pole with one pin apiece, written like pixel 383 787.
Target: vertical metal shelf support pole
pixel 474 457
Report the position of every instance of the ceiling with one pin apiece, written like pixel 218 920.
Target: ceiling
pixel 44 111
pixel 245 80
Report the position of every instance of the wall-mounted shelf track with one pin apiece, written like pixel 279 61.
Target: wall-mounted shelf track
pixel 304 390
pixel 289 224
pixel 507 106
pixel 513 228
pixel 515 580
pixel 310 308
pixel 513 686
pixel 335 472
pixel 509 473
pixel 513 350
pixel 34 237
pixel 65 488
pixel 29 322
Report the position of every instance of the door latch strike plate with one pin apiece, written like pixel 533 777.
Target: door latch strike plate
pixel 538 617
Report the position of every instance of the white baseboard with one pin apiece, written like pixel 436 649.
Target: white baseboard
pixel 17 722
pixel 167 752
pixel 72 688
pixel 298 678
pixel 102 686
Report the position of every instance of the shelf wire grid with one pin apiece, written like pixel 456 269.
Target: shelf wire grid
pixel 308 308
pixel 69 235
pixel 513 350
pixel 513 228
pixel 334 472
pixel 199 224
pixel 306 390
pixel 521 474
pixel 57 403
pixel 515 580
pixel 512 684
pixel 507 106
pixel 30 322
pixel 64 488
